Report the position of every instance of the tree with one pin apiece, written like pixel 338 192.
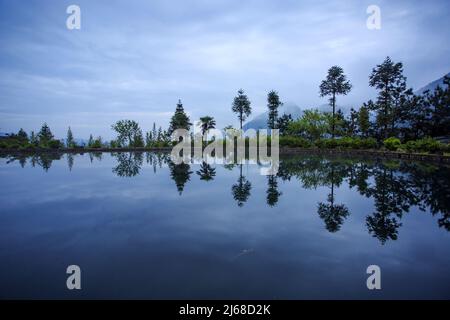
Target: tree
pixel 241 190
pixel 363 120
pixel 127 131
pixel 312 125
pixel 70 142
pixel 389 80
pixel 283 123
pixel 22 135
pixel 352 123
pixel 45 134
pixel 90 141
pixel 272 193
pixel 439 104
pixel 34 139
pixel 241 106
pixel 335 84
pixel 179 120
pixel 206 123
pixel 273 103
pixel 206 172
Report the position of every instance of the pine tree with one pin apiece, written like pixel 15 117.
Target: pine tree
pixel 70 142
pixel 363 120
pixel 179 120
pixel 90 141
pixel 154 132
pixel 22 135
pixel 273 103
pixel 241 106
pixel 389 80
pixel 335 84
pixel 45 134
pixel 33 139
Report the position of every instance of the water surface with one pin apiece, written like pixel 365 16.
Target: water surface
pixel 140 226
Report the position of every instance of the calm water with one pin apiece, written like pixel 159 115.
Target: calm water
pixel 140 226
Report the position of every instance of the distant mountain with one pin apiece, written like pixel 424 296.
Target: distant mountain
pixel 260 121
pixel 432 85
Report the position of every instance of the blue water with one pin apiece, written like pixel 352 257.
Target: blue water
pixel 140 226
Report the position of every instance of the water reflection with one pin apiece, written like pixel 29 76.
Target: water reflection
pixel 393 186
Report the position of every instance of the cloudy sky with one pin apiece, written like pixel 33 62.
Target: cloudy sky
pixel 135 59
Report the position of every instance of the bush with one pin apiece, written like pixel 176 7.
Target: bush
pixel 426 145
pixel 55 144
pixel 368 143
pixel 290 141
pixel 392 143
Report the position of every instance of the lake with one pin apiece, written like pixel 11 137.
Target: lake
pixel 140 226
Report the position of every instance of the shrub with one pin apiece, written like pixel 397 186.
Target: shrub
pixel 392 143
pixel 426 145
pixel 55 144
pixel 290 141
pixel 368 143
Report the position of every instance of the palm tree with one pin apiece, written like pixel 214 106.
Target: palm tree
pixel 206 123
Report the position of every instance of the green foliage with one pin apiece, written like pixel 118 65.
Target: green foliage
pixel 241 106
pixel 45 135
pixel 425 145
pixel 128 131
pixel 207 123
pixel 283 123
pixel 335 84
pixel 70 142
pixel 388 79
pixel 273 103
pixel 392 143
pixel 55 144
pixel 312 125
pixel 294 142
pixel 179 120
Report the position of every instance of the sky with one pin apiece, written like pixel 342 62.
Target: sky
pixel 135 59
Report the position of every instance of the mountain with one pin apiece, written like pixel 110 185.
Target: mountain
pixel 260 121
pixel 432 85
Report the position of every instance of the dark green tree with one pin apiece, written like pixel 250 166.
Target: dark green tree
pixel 388 79
pixel 364 121
pixel 335 84
pixel 273 103
pixel 206 123
pixel 70 142
pixel 179 120
pixel 241 106
pixel 127 132
pixel 45 135
pixel 283 123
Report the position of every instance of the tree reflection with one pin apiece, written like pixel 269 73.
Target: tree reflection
pixel 333 214
pixel 241 189
pixel 206 172
pixel 272 193
pixel 128 163
pixel 180 173
pixel 394 187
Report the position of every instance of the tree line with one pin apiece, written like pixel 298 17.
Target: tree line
pixel 397 119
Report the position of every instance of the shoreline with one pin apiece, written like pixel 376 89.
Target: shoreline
pixel 380 154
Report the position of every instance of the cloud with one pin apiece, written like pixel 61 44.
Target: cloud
pixel 137 59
